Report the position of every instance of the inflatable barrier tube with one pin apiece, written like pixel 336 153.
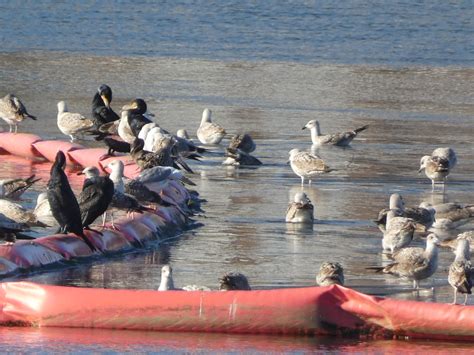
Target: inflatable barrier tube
pixel 330 310
pixel 48 149
pixel 20 144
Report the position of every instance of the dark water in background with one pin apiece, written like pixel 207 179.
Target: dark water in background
pixel 403 68
pixel 400 32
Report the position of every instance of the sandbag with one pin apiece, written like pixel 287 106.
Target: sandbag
pixel 68 245
pixel 88 157
pixel 27 254
pixel 48 149
pixel 20 144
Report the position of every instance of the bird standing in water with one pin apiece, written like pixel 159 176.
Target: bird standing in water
pixel 63 203
pixel 12 111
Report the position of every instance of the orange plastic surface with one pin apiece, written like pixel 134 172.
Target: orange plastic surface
pixel 48 149
pixel 307 311
pixel 20 144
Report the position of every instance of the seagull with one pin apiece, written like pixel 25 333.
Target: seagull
pixel 167 283
pixel 423 215
pixel 232 281
pixel 414 263
pixel 330 274
pixel 12 111
pixel 243 142
pixel 10 230
pixel 307 165
pixel 132 187
pixel 70 123
pixel 301 210
pixel 209 132
pixel 42 208
pixel 436 169
pixel 446 153
pixel 237 157
pixel 399 232
pixel 342 139
pixel 450 215
pixel 14 188
pixel 459 276
pixel 19 214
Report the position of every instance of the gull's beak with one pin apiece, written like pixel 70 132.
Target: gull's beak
pixel 304 127
pixel 420 170
pixel 288 162
pixel 80 173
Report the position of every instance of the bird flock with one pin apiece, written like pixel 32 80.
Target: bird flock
pixel 161 157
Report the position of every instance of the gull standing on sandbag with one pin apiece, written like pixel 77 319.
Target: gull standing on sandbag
pixel 307 165
pixel 12 111
pixel 63 202
pixel 133 187
pixel 209 132
pixel 459 276
pixel 71 124
pixel 301 210
pixel 342 139
pixel 412 263
pixel 330 274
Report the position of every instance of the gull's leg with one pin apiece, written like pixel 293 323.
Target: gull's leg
pixel 16 128
pixel 465 299
pixel 455 296
pixel 302 181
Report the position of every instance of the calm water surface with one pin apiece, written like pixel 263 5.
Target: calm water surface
pixel 268 78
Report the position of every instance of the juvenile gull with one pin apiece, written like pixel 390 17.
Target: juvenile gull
pixel 14 188
pixel 232 281
pixel 301 210
pixel 330 274
pixel 447 154
pixel 399 232
pixel 450 215
pixel 209 132
pixel 42 208
pixel 342 139
pixel 19 214
pixel 132 186
pixel 307 165
pixel 422 215
pixel 12 111
pixel 243 142
pixel 459 276
pixel 11 230
pixel 436 169
pixel 412 263
pixel 167 283
pixel 237 157
pixel 71 124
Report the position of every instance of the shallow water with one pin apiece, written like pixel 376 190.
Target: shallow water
pixel 270 93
